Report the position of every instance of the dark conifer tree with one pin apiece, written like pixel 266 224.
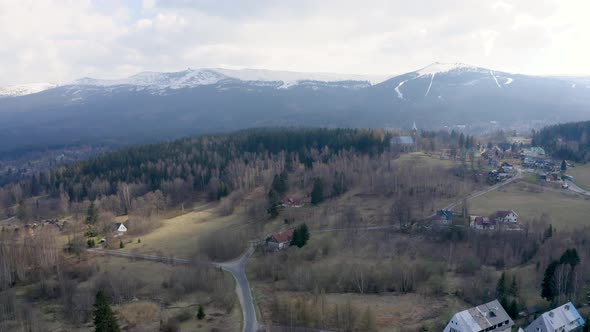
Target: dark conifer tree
pixel 104 318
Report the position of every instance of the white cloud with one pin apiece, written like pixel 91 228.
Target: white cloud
pixel 46 40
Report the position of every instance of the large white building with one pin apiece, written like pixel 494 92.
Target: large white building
pixel 486 317
pixel 563 319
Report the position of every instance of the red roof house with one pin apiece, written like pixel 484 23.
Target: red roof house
pixel 280 240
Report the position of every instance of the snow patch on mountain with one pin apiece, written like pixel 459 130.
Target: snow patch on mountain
pixel 195 77
pixel 400 95
pixel 290 78
pixel 430 85
pixel 439 68
pixel 25 89
pixel 509 80
pixel 495 79
pixel 174 80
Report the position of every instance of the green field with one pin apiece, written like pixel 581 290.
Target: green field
pixel 581 176
pixel 530 201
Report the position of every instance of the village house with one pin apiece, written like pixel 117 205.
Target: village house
pixel 483 223
pixel 293 202
pixel 505 217
pixel 486 317
pixel 120 229
pixel 279 241
pixel 444 216
pixel 563 319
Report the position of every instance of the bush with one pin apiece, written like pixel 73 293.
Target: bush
pixel 200 313
pixel 90 243
pixel 469 265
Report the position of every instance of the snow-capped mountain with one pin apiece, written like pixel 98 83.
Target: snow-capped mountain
pixel 448 75
pixel 25 89
pixel 191 78
pixel 148 107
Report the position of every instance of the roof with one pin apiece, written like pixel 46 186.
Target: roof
pixel 484 221
pixel 565 316
pixel 503 214
pixel 284 236
pixel 482 317
pixel 293 201
pixel 405 140
pixel 445 213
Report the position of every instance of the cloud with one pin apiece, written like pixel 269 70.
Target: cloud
pixel 45 40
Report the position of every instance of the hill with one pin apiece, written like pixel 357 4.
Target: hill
pixel 566 141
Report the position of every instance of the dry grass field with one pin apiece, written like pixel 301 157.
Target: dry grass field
pixel 581 175
pixel 178 236
pixel 566 209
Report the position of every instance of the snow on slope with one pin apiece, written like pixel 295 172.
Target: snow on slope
pixel 290 78
pixel 176 80
pixel 400 95
pixel 495 79
pixel 25 89
pixel 439 68
pixel 195 77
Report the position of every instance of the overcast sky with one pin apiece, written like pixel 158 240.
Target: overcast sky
pixel 58 41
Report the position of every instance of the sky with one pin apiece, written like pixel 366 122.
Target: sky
pixel 60 41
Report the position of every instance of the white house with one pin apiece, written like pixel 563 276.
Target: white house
pixel 505 217
pixel 120 229
pixel 486 317
pixel 563 319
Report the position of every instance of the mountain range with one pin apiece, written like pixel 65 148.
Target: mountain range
pixel 151 106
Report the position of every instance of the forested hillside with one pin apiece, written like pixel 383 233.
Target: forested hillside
pixel 566 141
pixel 212 165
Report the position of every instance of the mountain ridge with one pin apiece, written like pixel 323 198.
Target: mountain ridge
pixel 172 105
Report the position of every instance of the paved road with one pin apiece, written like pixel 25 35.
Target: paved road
pixel 237 268
pixel 573 187
pixel 485 191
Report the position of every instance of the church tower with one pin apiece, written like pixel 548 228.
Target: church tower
pixel 414 130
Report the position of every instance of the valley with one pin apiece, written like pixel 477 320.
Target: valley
pixel 376 258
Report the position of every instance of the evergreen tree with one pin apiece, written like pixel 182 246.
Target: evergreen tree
pixel 317 193
pixel 91 214
pixel 512 309
pixel 200 313
pixel 339 186
pixel 548 286
pixel 513 290
pixel 563 166
pixel 121 244
pixel 300 236
pixel 274 203
pixel 501 286
pixel 104 318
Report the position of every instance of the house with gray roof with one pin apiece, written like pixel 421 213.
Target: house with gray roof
pixel 486 317
pixel 565 318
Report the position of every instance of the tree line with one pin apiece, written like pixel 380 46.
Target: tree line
pixel 565 141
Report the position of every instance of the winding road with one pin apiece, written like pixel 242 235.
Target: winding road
pixel 575 188
pixel 237 268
